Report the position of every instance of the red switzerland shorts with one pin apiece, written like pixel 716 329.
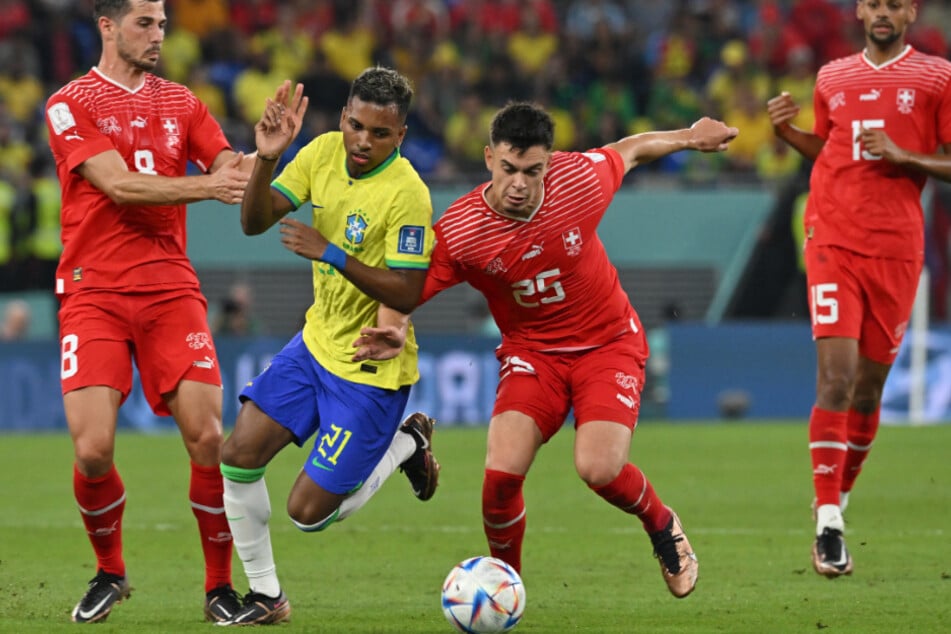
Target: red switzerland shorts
pixel 861 297
pixel 602 383
pixel 165 332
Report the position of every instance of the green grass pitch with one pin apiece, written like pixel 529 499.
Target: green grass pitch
pixel 742 490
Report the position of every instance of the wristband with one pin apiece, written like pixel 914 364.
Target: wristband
pixel 334 256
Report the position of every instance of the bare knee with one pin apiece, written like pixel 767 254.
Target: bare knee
pixel 93 459
pixel 597 471
pixel 312 511
pixel 835 389
pixel 204 444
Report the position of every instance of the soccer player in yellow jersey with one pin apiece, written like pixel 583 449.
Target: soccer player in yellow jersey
pixel 370 242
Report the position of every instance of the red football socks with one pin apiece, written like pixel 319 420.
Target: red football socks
pixel 861 433
pixel 503 515
pixel 205 492
pixel 631 492
pixel 827 446
pixel 101 503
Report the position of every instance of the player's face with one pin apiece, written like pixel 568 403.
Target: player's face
pixel 886 20
pixel 371 133
pixel 516 178
pixel 139 34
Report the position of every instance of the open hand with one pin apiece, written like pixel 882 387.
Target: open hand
pixel 281 120
pixel 379 343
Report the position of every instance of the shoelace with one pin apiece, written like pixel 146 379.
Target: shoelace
pixel 666 548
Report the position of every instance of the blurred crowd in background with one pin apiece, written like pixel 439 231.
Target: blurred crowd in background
pixel 604 68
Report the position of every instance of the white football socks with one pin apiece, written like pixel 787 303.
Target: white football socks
pixel 829 516
pixel 248 509
pixel 401 448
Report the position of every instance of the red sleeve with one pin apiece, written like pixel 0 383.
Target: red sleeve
pixel 944 115
pixel 74 136
pixel 442 272
pixel 608 165
pixel 206 139
pixel 821 111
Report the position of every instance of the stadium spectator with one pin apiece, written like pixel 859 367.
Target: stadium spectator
pixel 464 131
pixel 583 17
pixel 570 337
pixel 350 46
pixel 17 318
pixel 531 46
pixel 253 16
pixel 199 17
pixel 235 316
pixel 368 200
pixel 736 69
pixel 121 138
pixel 880 116
pixel 771 41
pixel 287 44
pixel 745 111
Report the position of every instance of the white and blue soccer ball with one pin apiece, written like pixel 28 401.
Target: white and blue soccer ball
pixel 483 595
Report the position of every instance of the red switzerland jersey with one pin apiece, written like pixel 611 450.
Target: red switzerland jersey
pixel 157 129
pixel 859 201
pixel 547 278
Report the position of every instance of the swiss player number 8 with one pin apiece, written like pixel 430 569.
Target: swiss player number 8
pixel 69 362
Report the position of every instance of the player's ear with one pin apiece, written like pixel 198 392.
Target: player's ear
pixel 488 157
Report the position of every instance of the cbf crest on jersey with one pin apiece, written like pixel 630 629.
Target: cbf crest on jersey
pixel 356 229
pixel 906 100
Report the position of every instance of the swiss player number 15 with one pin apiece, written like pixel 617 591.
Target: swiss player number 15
pixel 857 127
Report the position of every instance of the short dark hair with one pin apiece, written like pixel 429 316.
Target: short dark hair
pixel 113 9
pixel 384 87
pixel 522 125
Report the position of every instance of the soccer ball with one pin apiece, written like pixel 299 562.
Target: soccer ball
pixel 483 595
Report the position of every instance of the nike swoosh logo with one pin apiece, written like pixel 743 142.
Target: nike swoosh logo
pixel 235 519
pixel 96 608
pixel 320 466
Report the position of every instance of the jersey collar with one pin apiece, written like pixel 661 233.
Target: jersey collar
pixel 379 168
pixel 905 52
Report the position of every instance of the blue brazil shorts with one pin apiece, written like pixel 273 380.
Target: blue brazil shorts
pixel 353 424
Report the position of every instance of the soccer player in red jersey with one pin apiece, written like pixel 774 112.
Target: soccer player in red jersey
pixel 880 117
pixel 121 138
pixel 527 240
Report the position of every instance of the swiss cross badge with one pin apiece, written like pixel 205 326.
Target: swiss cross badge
pixel 572 241
pixel 170 126
pixel 906 100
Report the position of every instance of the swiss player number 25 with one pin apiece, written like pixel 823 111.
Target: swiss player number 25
pixel 543 289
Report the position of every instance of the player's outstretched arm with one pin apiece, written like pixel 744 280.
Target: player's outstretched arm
pixel 108 172
pixel 782 109
pixel 706 135
pixel 280 123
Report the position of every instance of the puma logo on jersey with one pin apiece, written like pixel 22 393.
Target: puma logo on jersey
pixel 871 95
pixel 208 363
pixel 535 251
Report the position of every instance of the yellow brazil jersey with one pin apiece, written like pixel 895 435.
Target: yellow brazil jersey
pixel 384 219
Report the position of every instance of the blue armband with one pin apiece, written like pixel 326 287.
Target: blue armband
pixel 334 256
